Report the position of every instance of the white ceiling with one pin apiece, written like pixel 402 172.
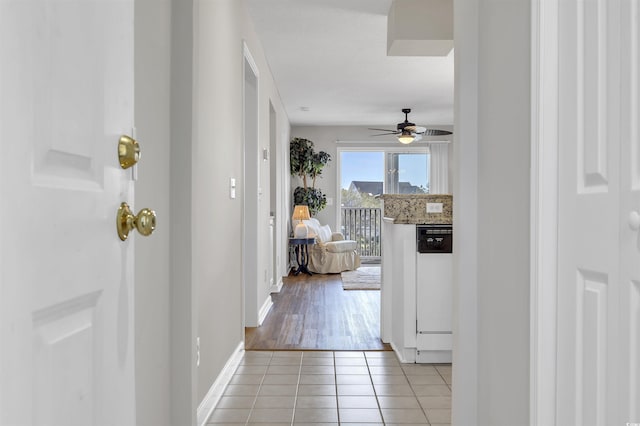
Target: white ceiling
pixel 330 56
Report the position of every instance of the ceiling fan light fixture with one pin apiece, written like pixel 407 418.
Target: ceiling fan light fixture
pixel 406 137
pixel 408 132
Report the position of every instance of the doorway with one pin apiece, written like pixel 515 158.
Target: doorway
pixel 251 281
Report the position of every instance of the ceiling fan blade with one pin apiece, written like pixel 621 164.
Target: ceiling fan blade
pixel 383 134
pixel 435 132
pixel 383 130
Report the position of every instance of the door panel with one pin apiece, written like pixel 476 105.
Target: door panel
pixel 68 132
pixel 588 237
pixel 66 305
pixel 591 359
pixel 591 95
pixel 65 337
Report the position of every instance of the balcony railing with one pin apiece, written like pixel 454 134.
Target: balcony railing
pixel 363 225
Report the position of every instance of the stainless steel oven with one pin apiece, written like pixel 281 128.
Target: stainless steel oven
pixel 434 238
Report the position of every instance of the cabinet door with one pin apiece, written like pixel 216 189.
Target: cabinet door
pixel 434 292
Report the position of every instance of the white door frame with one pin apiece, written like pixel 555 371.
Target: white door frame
pixel 544 210
pixel 250 209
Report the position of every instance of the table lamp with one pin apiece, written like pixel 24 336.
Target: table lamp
pixel 300 214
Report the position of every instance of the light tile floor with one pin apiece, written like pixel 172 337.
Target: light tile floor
pixel 334 388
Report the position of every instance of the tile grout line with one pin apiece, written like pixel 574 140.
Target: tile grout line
pixel 443 379
pixel 335 384
pixel 449 386
pixel 424 410
pixel 295 398
pixel 255 398
pixel 375 393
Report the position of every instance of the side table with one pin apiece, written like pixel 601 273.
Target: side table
pixel 301 248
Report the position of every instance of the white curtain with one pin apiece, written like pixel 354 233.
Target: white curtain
pixel 439 175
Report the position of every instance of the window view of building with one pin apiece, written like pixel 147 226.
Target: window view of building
pixel 362 194
pixel 364 177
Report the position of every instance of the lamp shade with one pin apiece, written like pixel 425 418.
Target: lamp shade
pixel 301 213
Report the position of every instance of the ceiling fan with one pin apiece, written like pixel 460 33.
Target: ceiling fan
pixel 408 132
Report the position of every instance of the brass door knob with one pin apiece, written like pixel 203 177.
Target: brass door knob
pixel 144 221
pixel 128 151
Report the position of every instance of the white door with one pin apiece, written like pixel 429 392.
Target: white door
pixel 66 307
pixel 630 212
pixel 598 253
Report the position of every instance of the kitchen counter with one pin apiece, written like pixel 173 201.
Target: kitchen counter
pixel 412 208
pixel 406 275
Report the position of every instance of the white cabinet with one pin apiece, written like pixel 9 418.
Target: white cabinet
pixel 434 307
pixel 416 297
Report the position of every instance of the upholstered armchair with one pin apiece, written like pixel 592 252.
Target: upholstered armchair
pixel 331 254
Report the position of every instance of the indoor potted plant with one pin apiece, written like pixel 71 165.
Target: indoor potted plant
pixel 307 165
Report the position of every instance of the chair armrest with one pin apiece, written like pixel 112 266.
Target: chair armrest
pixel 337 236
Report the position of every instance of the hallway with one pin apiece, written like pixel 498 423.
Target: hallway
pixel 334 388
pixel 315 313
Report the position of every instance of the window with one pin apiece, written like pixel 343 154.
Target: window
pixel 367 174
pixel 407 173
pixel 362 178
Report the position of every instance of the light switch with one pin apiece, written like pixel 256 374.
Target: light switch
pixel 329 201
pixel 232 188
pixel 434 207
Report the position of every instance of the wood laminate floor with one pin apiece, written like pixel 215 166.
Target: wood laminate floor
pixel 315 313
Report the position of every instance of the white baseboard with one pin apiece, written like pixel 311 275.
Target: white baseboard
pixel 216 390
pixel 275 288
pixel 264 310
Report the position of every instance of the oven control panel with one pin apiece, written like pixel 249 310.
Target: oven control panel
pixel 434 238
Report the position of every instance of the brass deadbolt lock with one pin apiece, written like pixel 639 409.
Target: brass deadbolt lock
pixel 128 151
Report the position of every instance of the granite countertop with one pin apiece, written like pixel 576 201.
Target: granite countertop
pixel 412 209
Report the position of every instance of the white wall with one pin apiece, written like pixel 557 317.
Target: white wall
pixel 503 199
pixel 499 174
pixel 217 150
pixel 183 292
pixel 465 216
pixel 165 331
pixel 324 139
pixel 152 113
pixel 221 26
pixel 189 273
